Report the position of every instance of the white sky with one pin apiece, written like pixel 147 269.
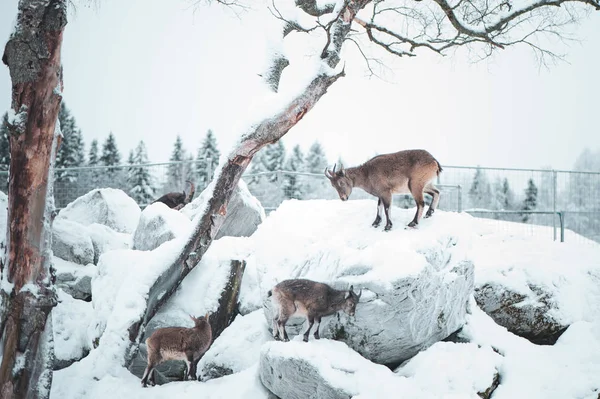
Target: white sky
pixel 152 69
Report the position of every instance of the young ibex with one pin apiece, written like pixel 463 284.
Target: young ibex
pixel 310 299
pixel 403 172
pixel 178 343
pixel 178 200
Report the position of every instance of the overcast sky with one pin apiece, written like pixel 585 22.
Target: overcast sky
pixel 152 69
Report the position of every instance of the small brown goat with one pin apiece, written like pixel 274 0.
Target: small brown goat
pixel 178 343
pixel 311 299
pixel 402 172
pixel 178 200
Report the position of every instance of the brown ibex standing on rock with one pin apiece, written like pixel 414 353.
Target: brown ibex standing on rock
pixel 403 172
pixel 311 299
pixel 178 343
pixel 178 200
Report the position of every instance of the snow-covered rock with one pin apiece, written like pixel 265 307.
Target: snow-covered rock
pixel 70 319
pixel 534 287
pixel 3 217
pixel 71 242
pixel 106 239
pixel 158 224
pixel 416 283
pixel 448 368
pixel 237 348
pixel 108 206
pixel 74 279
pixel 244 212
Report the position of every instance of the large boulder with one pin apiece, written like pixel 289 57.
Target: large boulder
pixel 244 211
pixel 108 206
pixel 416 283
pixel 329 369
pixel 237 348
pixel 71 242
pixel 105 239
pixel 158 224
pixel 74 279
pixel 534 287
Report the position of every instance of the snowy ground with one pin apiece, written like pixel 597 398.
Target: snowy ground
pixel 568 369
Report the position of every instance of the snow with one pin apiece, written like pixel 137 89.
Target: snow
pixel 238 347
pixel 567 369
pixel 332 239
pixel 568 272
pixel 70 320
pixel 158 223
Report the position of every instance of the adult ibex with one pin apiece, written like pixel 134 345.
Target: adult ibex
pixel 403 172
pixel 178 200
pixel 178 343
pixel 311 299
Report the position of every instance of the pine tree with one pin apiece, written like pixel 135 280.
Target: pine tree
pixel 176 170
pixel 480 192
pixel 207 159
pixel 292 186
pixel 71 152
pixel 316 161
pixel 274 158
pixel 257 166
pixel 110 153
pixel 93 159
pixel 139 177
pixel 530 202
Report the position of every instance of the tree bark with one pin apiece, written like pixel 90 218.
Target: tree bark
pixel 33 57
pixel 266 132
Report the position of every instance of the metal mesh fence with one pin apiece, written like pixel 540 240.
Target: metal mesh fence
pixel 538 202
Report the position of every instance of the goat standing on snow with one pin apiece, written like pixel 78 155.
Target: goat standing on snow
pixel 311 299
pixel 178 343
pixel 403 172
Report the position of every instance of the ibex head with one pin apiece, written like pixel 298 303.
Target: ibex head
pixel 199 321
pixel 352 299
pixel 340 181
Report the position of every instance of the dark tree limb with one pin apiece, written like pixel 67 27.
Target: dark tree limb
pixel 228 303
pixel 33 57
pixel 266 132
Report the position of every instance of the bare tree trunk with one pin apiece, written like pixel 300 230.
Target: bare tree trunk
pixel 267 132
pixel 33 57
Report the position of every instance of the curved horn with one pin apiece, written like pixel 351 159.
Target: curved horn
pixel 328 174
pixel 334 165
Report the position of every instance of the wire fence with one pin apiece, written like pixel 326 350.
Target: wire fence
pixel 537 202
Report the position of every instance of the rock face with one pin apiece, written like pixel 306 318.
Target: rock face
pixel 106 239
pixel 158 224
pixel 237 348
pixel 107 206
pixel 71 242
pixel 74 279
pixel 244 212
pixel 532 320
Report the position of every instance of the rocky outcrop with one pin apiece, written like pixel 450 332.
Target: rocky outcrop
pixel 159 224
pixel 530 319
pixel 108 206
pixel 71 242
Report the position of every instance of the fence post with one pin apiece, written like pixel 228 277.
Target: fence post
pixel 561 216
pixel 459 188
pixel 554 175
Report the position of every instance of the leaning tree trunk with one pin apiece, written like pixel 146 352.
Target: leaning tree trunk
pixel 266 132
pixel 33 57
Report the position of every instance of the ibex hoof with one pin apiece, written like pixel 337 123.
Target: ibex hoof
pixel 412 225
pixel 387 228
pixel 429 213
pixel 305 339
pixel 375 224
